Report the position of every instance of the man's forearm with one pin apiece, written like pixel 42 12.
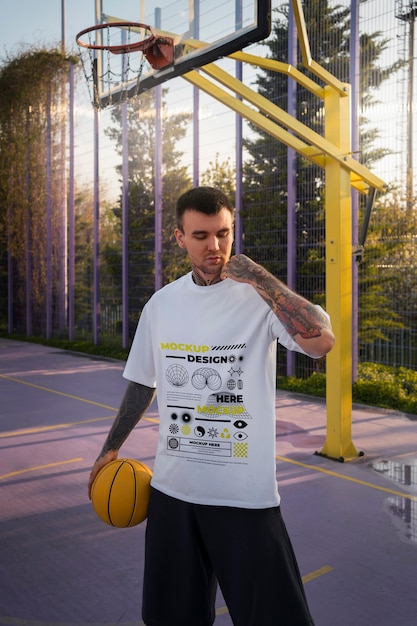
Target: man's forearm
pixel 136 400
pixel 298 315
pixel 306 323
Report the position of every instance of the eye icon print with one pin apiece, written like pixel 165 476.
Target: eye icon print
pixel 177 375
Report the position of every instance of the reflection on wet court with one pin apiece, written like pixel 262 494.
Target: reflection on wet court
pixel 402 509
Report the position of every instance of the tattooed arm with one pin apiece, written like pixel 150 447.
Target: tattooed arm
pixel 306 323
pixel 136 400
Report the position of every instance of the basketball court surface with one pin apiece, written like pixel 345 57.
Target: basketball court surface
pixel 353 525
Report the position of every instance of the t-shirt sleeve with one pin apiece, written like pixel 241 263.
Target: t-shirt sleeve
pixel 140 364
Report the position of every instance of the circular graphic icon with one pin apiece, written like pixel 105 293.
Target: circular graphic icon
pixel 213 433
pixel 206 376
pixel 199 431
pixel 177 375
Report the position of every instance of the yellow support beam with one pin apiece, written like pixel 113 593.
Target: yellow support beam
pixel 308 61
pixel 281 68
pixel 342 172
pixel 264 123
pixel 338 206
pixel 314 153
pixel 267 64
pixel 333 153
pixel 312 138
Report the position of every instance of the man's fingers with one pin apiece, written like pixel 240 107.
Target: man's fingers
pixel 90 482
pixel 101 462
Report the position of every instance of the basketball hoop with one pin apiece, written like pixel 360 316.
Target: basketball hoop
pixel 120 39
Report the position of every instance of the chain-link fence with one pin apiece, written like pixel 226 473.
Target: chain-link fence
pixel 82 270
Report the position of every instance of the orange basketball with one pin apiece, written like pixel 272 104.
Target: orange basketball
pixel 120 492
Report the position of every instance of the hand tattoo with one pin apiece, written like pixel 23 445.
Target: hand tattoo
pixel 241 269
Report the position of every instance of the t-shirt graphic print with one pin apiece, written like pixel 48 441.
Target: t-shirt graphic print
pixel 205 401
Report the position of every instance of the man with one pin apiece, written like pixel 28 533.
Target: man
pixel 207 343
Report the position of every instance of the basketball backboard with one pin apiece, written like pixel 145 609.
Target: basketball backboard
pixel 202 31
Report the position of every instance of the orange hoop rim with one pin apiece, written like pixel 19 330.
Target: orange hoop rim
pixel 138 46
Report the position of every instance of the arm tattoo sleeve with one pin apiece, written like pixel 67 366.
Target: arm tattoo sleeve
pixel 136 400
pixel 297 314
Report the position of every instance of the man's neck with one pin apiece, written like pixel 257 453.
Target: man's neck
pixel 203 280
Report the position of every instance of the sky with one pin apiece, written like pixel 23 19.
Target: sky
pixel 27 23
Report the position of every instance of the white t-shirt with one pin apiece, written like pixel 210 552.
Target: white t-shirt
pixel 211 353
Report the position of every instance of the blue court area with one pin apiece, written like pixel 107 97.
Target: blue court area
pixel 353 525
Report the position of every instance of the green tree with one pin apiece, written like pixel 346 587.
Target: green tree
pixel 221 175
pixel 265 173
pixel 32 86
pixel 84 243
pixel 388 279
pixel 141 193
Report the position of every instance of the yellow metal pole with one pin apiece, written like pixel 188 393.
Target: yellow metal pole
pixel 311 145
pixel 338 208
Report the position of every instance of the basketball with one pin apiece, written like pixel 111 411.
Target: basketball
pixel 120 492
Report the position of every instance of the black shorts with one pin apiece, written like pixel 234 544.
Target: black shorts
pixel 189 547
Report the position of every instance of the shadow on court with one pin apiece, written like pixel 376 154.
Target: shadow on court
pixel 353 525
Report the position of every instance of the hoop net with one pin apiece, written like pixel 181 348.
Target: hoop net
pixel 115 55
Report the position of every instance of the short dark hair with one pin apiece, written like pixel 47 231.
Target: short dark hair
pixel 208 200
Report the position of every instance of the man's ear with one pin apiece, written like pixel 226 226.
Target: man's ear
pixel 179 236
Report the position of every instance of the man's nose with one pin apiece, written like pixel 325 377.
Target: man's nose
pixel 213 243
